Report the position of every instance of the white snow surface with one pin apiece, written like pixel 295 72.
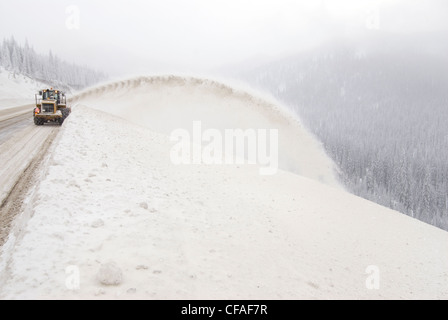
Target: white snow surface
pixel 17 90
pixel 112 209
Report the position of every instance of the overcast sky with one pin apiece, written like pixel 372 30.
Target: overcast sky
pixel 133 36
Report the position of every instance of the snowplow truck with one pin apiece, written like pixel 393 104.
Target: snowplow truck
pixel 51 106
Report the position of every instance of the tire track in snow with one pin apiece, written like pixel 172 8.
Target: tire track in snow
pixel 20 156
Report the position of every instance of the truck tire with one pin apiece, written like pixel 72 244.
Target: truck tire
pixel 65 114
pixel 38 121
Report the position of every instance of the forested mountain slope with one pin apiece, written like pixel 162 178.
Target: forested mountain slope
pixel 381 109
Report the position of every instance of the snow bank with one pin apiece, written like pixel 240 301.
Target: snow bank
pixel 17 90
pixel 166 103
pixel 114 218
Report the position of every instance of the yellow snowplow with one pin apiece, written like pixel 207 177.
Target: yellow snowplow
pixel 51 106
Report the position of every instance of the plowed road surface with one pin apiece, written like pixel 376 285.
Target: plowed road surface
pixel 22 148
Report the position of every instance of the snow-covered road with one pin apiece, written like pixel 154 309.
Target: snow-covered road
pixel 14 119
pixel 113 217
pixel 22 147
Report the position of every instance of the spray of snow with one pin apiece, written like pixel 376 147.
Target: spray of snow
pixel 166 103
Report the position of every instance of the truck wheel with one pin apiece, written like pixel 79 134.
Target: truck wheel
pixel 38 122
pixel 65 114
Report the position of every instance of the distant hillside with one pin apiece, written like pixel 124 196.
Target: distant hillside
pixel 381 109
pixel 17 90
pixel 23 59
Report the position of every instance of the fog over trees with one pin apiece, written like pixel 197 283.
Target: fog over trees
pixel 381 110
pixel 23 59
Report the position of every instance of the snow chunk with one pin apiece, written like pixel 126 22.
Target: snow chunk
pixel 110 274
pixel 144 205
pixel 97 223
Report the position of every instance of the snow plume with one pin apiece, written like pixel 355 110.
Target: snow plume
pixel 165 104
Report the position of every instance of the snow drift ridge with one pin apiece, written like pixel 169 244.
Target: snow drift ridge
pixel 166 103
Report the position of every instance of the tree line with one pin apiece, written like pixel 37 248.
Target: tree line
pixel 48 68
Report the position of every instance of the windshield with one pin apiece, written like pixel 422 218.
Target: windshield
pixel 49 95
